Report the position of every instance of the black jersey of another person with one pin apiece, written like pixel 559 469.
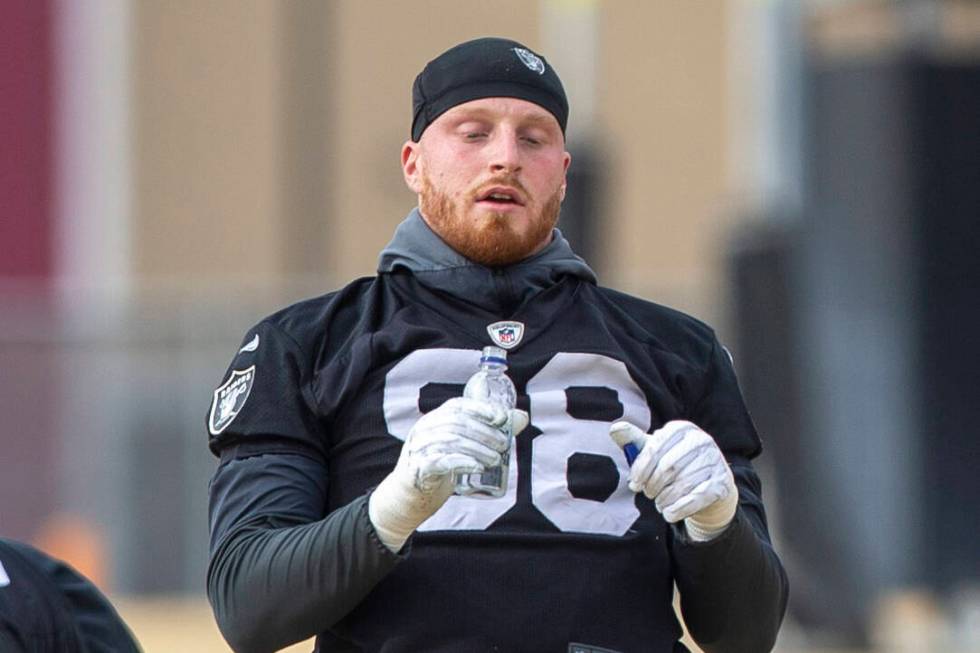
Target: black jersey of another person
pixel 45 605
pixel 569 554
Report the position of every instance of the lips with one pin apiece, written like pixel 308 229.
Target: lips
pixel 501 195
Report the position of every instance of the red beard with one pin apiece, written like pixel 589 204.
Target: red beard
pixel 491 240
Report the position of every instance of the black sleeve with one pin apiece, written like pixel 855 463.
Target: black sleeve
pixel 733 589
pixel 280 572
pixel 281 569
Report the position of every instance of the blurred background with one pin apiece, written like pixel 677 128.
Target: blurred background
pixel 802 174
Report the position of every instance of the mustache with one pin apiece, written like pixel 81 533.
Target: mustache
pixel 501 180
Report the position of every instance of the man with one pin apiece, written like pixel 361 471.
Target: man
pixel 340 426
pixel 45 605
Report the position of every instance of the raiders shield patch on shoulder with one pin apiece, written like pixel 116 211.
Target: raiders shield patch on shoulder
pixel 229 399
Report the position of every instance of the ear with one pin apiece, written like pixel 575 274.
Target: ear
pixel 410 167
pixel 564 180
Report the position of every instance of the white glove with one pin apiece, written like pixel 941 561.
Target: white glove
pixel 682 469
pixel 462 436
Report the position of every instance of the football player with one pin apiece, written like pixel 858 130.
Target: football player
pixel 340 426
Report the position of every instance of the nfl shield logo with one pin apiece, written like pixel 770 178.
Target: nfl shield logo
pixel 506 334
pixel 229 399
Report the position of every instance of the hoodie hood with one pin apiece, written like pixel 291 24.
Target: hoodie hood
pixel 417 249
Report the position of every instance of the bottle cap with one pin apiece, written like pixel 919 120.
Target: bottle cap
pixel 494 355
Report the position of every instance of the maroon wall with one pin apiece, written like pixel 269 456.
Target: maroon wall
pixel 26 139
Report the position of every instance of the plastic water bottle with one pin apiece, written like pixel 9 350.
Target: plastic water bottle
pixel 491 385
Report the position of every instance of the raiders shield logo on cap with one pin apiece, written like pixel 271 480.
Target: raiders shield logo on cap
pixel 530 60
pixel 229 399
pixel 506 334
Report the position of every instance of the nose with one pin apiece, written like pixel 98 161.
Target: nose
pixel 505 154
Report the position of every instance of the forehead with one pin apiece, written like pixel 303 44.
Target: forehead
pixel 499 108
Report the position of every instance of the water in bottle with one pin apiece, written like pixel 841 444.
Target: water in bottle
pixel 491 385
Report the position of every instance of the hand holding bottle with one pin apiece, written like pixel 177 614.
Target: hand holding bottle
pixel 461 436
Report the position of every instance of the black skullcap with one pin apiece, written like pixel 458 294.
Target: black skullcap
pixel 487 67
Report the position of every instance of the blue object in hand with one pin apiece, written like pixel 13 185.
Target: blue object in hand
pixel 631 452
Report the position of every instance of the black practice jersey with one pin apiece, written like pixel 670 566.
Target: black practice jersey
pixel 45 605
pixel 568 555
